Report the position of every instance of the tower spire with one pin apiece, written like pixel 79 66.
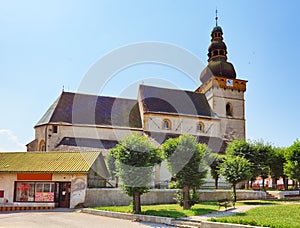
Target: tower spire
pixel 217 17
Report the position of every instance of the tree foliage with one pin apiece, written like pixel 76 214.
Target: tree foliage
pixel 136 157
pixel 185 162
pixel 235 169
pixel 292 165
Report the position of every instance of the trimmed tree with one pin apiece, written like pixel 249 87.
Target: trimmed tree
pixel 215 167
pixel 277 161
pixel 246 150
pixel 235 169
pixel 136 157
pixel 185 162
pixel 292 165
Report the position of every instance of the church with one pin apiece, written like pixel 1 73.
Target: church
pixel 214 112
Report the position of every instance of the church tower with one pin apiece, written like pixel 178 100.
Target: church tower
pixel 224 92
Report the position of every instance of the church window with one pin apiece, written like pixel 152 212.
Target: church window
pixel 42 145
pixel 221 52
pixel 166 124
pixel 55 128
pixel 215 52
pixel 228 109
pixel 200 127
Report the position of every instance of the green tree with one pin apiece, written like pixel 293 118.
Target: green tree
pixel 235 169
pixel 292 165
pixel 111 164
pixel 215 167
pixel 246 150
pixel 136 157
pixel 185 161
pixel 264 153
pixel 277 161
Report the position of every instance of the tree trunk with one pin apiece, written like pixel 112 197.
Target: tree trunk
pixel 136 203
pixel 285 182
pixel 216 182
pixel 186 197
pixel 234 192
pixel 263 184
pixel 117 182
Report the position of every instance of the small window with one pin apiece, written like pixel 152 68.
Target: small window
pixel 221 52
pixel 200 127
pixel 215 52
pixel 1 193
pixel 228 109
pixel 55 128
pixel 166 124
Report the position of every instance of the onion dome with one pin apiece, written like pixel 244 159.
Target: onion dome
pixel 217 57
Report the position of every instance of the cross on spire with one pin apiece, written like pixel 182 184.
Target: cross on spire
pixel 216 17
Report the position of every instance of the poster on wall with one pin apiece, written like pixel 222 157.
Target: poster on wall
pixel 44 196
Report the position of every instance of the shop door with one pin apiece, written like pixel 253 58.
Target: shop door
pixel 64 191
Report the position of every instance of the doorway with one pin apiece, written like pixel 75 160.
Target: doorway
pixel 63 193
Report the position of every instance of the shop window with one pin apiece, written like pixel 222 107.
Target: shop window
pixel 34 192
pixel 24 191
pixel 1 193
pixel 200 127
pixel 166 124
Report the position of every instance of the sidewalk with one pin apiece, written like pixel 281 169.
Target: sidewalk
pixel 218 214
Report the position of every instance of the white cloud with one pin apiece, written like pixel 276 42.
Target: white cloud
pixel 10 142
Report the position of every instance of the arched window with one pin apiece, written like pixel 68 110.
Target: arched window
pixel 166 124
pixel 42 145
pixel 200 127
pixel 228 109
pixel 215 52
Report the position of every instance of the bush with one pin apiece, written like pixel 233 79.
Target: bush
pixel 194 198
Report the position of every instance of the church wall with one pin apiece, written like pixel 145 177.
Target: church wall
pixel 181 124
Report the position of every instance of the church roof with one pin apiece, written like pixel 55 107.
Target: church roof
pixel 88 142
pixel 74 108
pixel 172 101
pixel 215 144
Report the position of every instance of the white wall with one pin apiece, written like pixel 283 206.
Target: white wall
pixel 7 184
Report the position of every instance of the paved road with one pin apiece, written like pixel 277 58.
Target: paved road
pixel 65 219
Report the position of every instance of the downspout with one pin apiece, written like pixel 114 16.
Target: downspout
pixel 46 137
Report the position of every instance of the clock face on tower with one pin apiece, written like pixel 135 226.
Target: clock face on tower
pixel 229 82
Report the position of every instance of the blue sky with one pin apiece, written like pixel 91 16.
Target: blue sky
pixel 45 45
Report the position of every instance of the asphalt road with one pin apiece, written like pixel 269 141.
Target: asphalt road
pixel 57 219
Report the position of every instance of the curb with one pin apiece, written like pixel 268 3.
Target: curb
pixel 144 218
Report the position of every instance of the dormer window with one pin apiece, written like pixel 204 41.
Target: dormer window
pixel 167 124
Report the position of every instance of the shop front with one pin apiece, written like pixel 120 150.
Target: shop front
pixel 35 180
pixel 58 193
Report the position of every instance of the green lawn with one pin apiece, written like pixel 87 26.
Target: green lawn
pixel 168 210
pixel 277 216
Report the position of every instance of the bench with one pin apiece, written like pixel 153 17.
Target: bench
pixel 226 203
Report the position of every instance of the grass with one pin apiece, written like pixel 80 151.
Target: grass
pixel 168 210
pixel 275 216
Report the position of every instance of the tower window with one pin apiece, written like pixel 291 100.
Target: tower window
pixel 221 52
pixel 228 109
pixel 215 52
pixel 200 127
pixel 55 128
pixel 166 124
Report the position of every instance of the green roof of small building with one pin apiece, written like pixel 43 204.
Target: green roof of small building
pixel 47 162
